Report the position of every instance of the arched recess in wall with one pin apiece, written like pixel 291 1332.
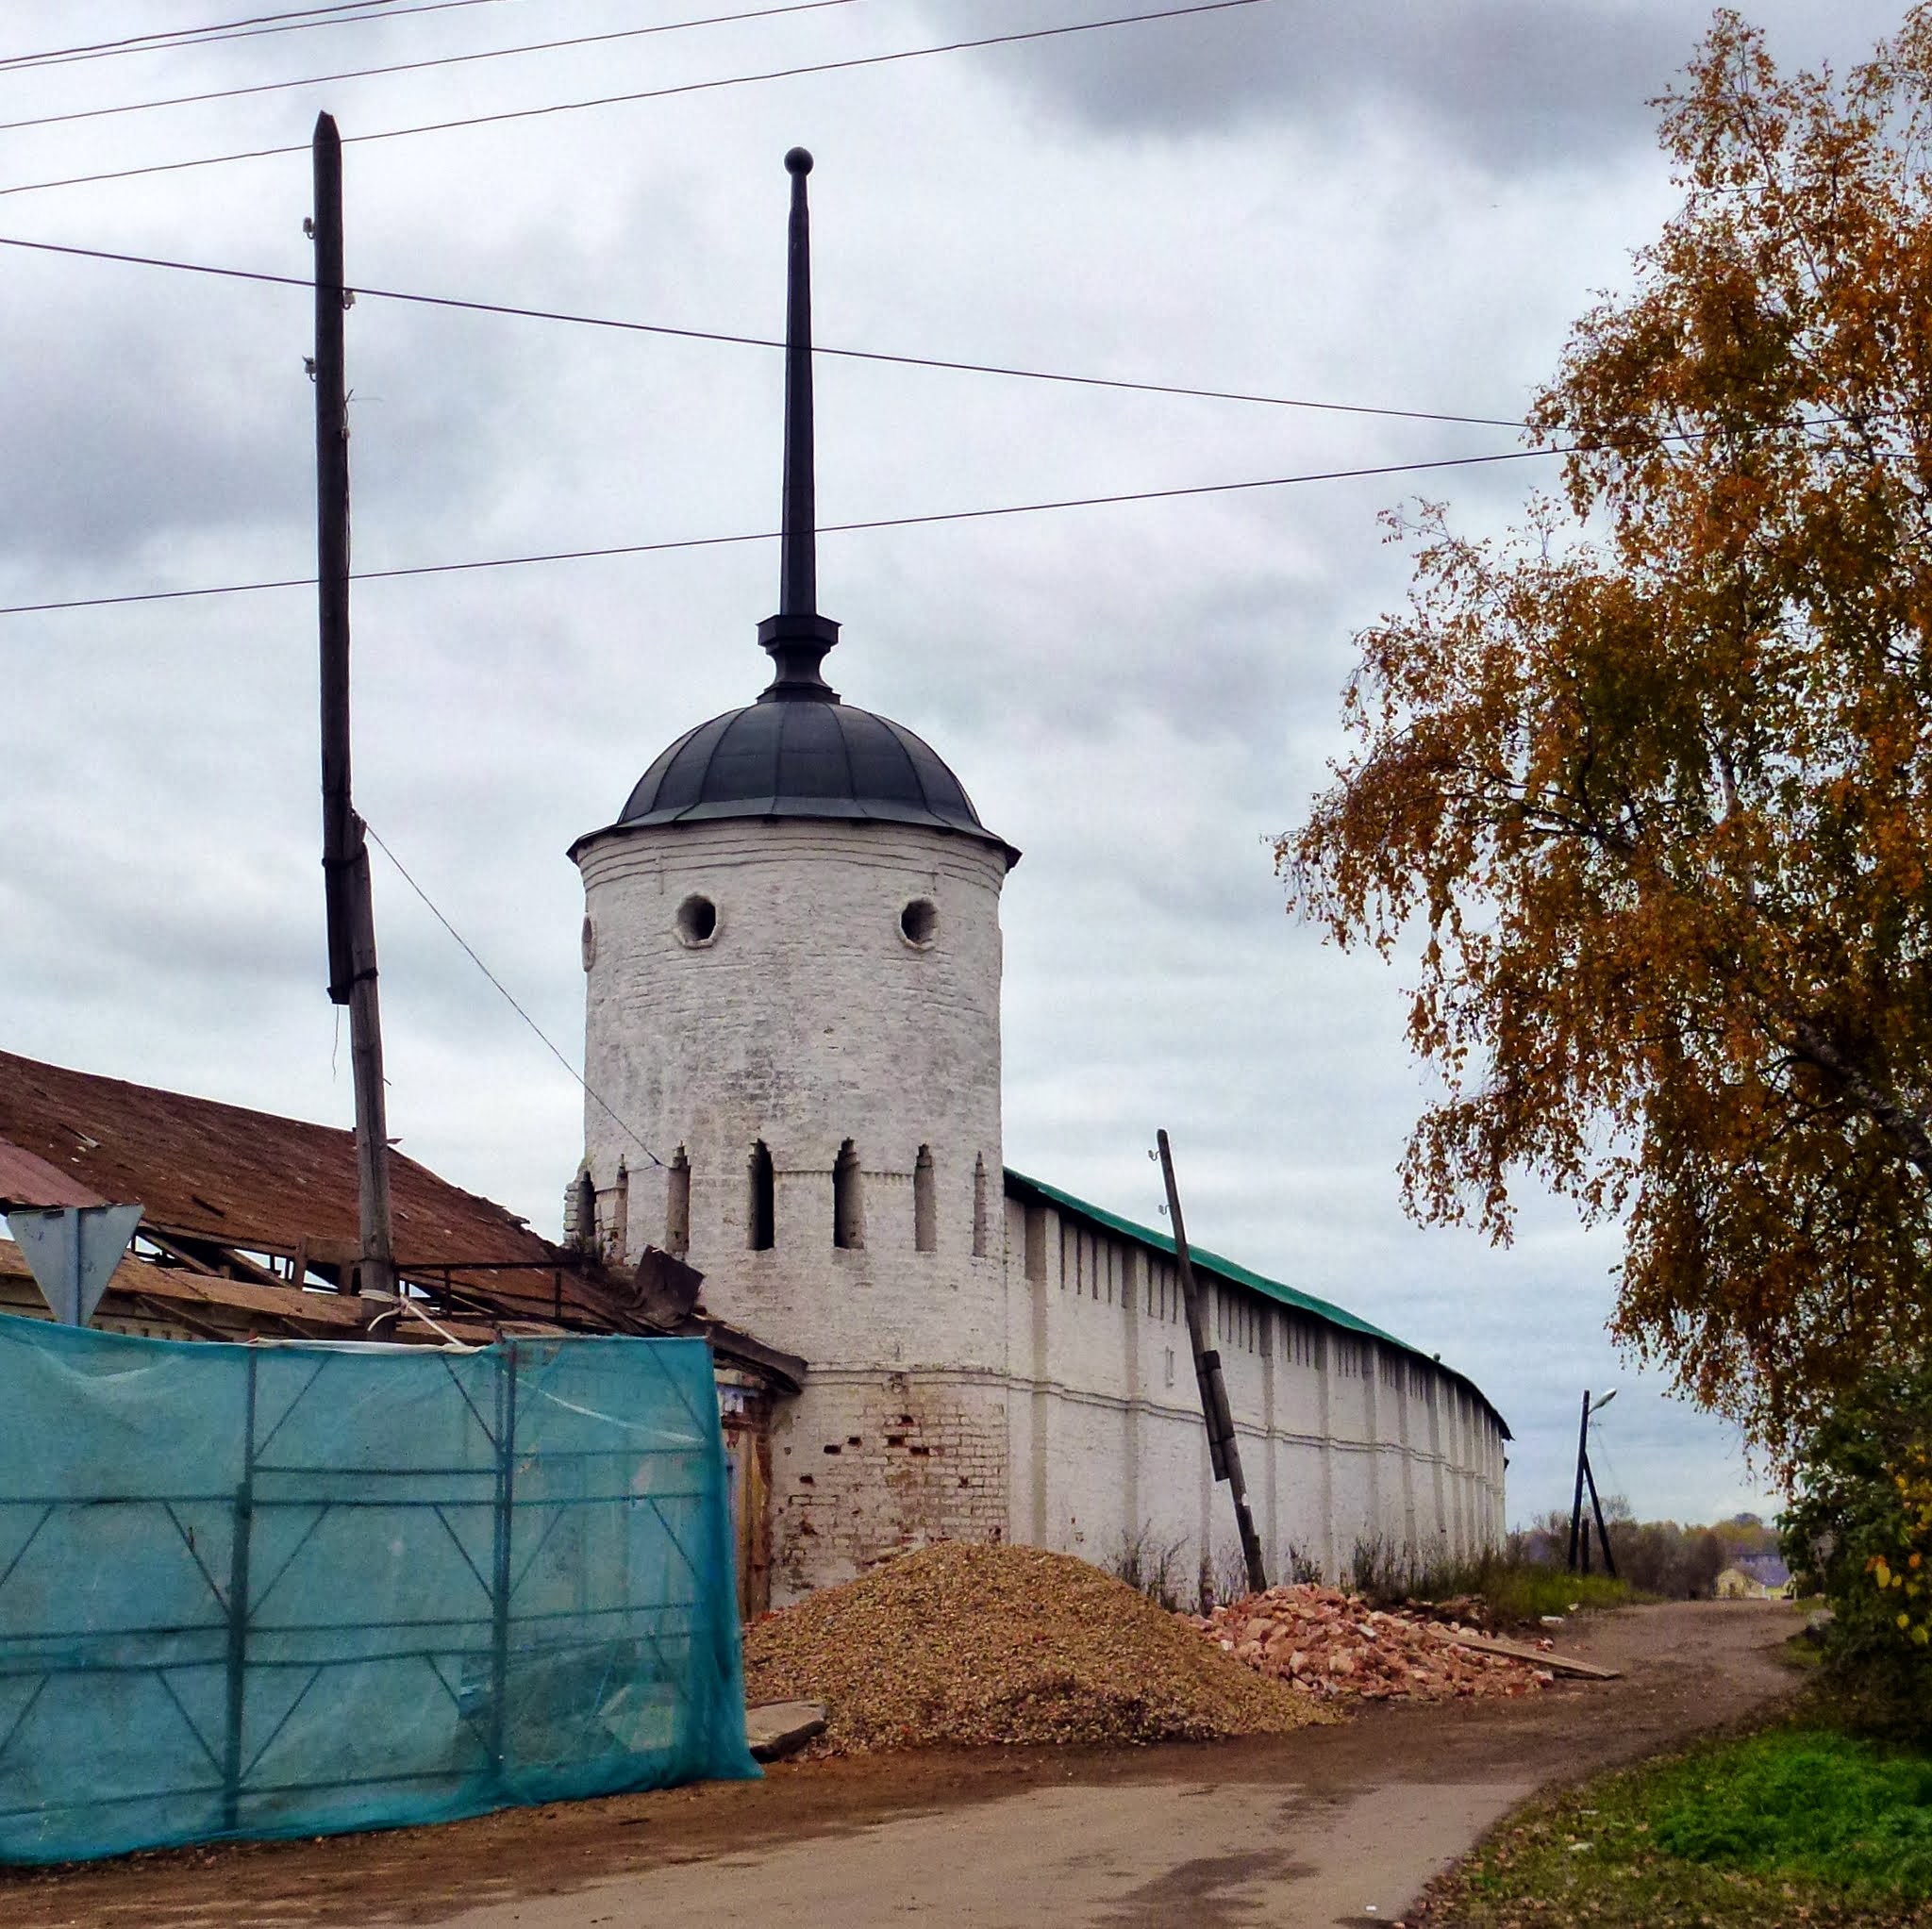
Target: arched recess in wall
pixel 848 1201
pixel 762 1216
pixel 677 1206
pixel 979 1207
pixel 925 1220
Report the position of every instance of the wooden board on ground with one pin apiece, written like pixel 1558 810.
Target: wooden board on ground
pixel 1557 1664
pixel 776 1729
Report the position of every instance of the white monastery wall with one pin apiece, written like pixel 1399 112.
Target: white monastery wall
pixel 1020 1371
pixel 1345 1439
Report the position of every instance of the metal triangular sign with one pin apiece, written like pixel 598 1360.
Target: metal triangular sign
pixel 72 1251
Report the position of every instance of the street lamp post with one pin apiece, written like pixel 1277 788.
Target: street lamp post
pixel 1579 1531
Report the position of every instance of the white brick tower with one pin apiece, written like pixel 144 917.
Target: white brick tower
pixel 792 949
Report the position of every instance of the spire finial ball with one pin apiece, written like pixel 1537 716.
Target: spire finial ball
pixel 798 161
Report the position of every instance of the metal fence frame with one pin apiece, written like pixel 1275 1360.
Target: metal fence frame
pixel 239 1637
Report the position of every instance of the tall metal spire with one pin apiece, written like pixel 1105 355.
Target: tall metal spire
pixel 798 637
pixel 798 570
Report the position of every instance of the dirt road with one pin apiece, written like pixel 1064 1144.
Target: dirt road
pixel 1329 1825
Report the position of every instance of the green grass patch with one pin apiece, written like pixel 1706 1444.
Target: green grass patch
pixel 1514 1590
pixel 1795 1825
pixel 1526 1593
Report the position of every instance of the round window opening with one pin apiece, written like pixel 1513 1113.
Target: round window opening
pixel 919 922
pixel 697 921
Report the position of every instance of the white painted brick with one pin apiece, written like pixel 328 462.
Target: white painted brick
pixel 1038 1374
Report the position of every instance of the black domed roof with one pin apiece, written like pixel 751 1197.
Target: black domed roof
pixel 807 760
pixel 798 752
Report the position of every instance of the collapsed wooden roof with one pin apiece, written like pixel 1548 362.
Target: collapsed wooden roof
pixel 251 1222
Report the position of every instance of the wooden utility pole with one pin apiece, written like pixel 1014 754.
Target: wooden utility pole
pixel 345 849
pixel 1603 1531
pixel 1223 1449
pixel 1579 1527
pixel 1577 1502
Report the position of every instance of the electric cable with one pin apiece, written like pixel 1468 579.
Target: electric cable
pixel 183 34
pixel 1086 502
pixel 612 100
pixel 353 13
pixel 1089 502
pixel 226 93
pixel 1612 1486
pixel 916 362
pixel 469 951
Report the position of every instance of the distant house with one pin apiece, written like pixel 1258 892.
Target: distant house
pixel 1755 1577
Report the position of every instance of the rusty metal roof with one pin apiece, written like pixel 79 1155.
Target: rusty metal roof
pixel 217 1181
pixel 26 1180
pixel 243 1178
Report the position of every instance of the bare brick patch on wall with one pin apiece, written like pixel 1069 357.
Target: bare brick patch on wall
pixel 866 1467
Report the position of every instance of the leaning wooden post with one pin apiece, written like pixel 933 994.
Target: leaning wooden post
pixel 1223 1450
pixel 345 849
pixel 1603 1531
pixel 1576 1504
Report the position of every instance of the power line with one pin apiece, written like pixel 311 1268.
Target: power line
pixel 469 951
pixel 613 100
pixel 351 14
pixel 920 362
pixel 1619 1489
pixel 225 94
pixel 50 54
pixel 1087 502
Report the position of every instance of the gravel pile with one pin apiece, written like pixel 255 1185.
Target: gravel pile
pixel 1332 1646
pixel 973 1645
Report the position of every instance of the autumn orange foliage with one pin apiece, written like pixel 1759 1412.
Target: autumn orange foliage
pixel 1651 783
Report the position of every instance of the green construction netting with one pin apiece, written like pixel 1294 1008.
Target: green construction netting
pixel 268 1590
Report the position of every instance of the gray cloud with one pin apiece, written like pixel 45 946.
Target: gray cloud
pixel 131 446
pixel 1549 84
pixel 1501 81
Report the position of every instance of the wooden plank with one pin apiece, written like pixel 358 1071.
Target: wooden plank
pixel 1558 1664
pixel 774 1729
pixel 242 1296
pixel 227 1263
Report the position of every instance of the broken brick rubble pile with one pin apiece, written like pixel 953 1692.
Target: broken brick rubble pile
pixel 958 1645
pixel 1334 1646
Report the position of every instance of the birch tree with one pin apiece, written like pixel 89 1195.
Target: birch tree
pixel 1650 782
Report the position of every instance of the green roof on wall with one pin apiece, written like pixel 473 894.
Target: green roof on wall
pixel 1019 1186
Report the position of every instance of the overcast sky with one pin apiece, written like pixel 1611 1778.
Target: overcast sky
pixel 1404 206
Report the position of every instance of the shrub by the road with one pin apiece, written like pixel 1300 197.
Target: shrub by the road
pixel 1673 1563
pixel 1860 1527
